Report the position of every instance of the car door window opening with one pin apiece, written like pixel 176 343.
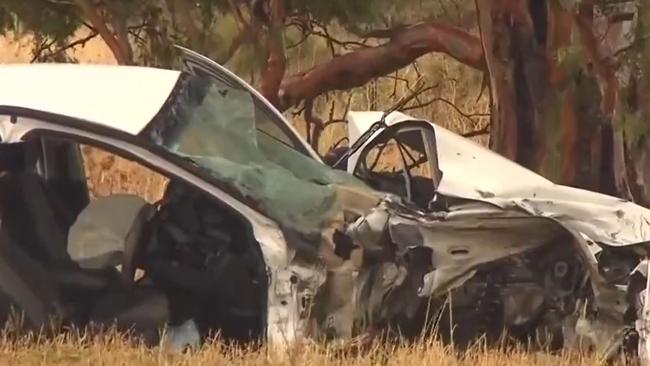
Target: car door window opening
pixel 187 271
pixel 400 151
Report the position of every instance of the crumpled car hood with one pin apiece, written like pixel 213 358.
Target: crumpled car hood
pixel 472 171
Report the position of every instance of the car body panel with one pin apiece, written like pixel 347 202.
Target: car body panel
pixel 471 171
pixel 284 325
pixel 124 98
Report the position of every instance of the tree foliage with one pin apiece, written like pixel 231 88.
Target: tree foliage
pixel 44 18
pixel 137 31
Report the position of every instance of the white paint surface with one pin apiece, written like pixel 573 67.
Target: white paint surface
pixel 125 98
pixel 472 171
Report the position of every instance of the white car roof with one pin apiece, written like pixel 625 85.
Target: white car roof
pixel 125 98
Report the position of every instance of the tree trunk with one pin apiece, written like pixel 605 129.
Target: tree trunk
pixel 551 96
pixel 635 110
pixel 276 61
pixel 116 41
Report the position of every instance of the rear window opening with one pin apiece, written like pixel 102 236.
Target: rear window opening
pixel 89 237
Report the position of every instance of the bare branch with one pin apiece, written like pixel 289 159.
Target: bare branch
pixel 339 142
pixel 302 40
pixel 448 102
pixel 313 28
pixel 481 131
pixel 79 42
pixel 364 64
pixel 42 47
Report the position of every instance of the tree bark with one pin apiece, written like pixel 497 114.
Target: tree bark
pixel 362 65
pixel 276 62
pixel 552 95
pixel 120 47
pixel 635 110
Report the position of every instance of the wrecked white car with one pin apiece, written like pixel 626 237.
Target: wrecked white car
pixel 257 238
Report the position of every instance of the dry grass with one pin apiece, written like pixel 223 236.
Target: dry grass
pixel 109 174
pixel 112 349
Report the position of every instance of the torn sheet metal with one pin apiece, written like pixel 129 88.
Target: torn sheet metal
pixel 463 237
pixel 472 171
pixel 459 247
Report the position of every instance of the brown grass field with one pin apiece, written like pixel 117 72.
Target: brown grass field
pixel 111 349
pixel 110 174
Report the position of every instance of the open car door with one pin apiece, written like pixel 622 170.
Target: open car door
pixel 268 119
pixel 402 160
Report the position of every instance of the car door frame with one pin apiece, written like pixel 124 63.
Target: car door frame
pixel 428 138
pixel 282 321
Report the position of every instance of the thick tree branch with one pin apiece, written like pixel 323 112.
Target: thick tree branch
pixel 90 12
pixel 276 63
pixel 118 18
pixel 362 65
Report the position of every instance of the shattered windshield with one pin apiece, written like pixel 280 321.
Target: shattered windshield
pixel 223 131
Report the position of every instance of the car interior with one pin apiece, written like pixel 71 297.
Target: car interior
pixel 196 259
pixel 397 162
